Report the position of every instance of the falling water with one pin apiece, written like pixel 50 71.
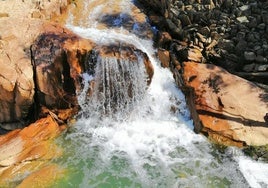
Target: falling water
pixel 129 134
pixel 119 86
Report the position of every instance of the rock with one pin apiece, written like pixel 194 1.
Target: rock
pixel 240 47
pixel 261 26
pixel 205 31
pixel 195 55
pixel 249 56
pixel 164 40
pixel 242 19
pixel 201 37
pixel 59 58
pixel 173 28
pixel 164 57
pixel 261 59
pixel 262 68
pixel 249 67
pixel 16 71
pixel 244 7
pixel 185 20
pixel 221 101
pixel 25 151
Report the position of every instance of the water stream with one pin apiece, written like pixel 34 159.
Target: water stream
pixel 145 139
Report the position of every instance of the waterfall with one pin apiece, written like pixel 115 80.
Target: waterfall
pixel 119 85
pixel 130 134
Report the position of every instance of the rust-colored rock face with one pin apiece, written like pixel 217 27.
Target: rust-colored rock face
pixel 59 58
pixel 231 109
pixel 28 151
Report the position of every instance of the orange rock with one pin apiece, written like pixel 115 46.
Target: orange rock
pixel 18 31
pixel 164 57
pixel 228 106
pixel 27 150
pixel 45 177
pixel 59 59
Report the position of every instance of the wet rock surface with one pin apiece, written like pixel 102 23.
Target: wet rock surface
pixel 59 58
pixel 27 153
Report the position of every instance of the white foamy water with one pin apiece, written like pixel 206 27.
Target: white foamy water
pixel 154 144
pixel 256 173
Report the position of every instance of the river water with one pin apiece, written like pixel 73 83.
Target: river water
pixel 140 141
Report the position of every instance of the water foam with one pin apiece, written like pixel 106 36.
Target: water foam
pixel 256 173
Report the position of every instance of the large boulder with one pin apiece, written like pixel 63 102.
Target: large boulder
pixel 59 59
pixel 227 108
pixel 20 25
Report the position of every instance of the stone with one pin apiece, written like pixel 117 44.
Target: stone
pixel 261 26
pixel 242 19
pixel 185 20
pixel 262 68
pixel 244 7
pixel 58 57
pixel 249 56
pixel 16 72
pixel 173 28
pixel 201 37
pixel 261 59
pixel 240 47
pixel 164 57
pixel 24 151
pixel 249 67
pixel 195 55
pixel 164 39
pixel 253 23
pixel 205 31
pixel 221 101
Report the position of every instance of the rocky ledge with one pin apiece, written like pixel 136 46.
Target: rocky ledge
pixel 26 155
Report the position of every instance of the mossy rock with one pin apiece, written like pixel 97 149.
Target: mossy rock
pixel 257 152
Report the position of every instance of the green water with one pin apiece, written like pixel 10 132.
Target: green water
pixel 87 166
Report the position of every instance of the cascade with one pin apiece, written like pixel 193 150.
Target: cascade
pixel 130 134
pixel 119 85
